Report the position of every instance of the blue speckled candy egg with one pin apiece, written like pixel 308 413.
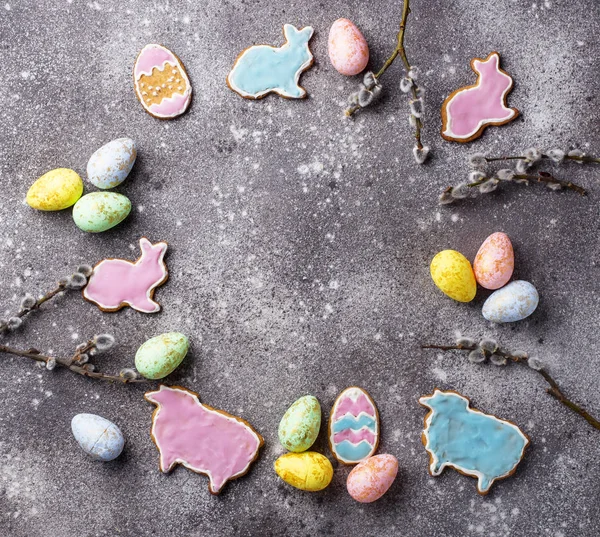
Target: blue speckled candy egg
pixel 110 165
pixel 514 302
pixel 98 437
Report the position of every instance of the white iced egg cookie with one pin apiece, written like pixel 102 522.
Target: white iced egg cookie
pixel 161 82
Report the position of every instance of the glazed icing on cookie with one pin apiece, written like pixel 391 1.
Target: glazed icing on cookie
pixel 353 426
pixel 469 110
pixel 161 82
pixel 202 439
pixel 263 69
pixel 116 283
pixel 474 443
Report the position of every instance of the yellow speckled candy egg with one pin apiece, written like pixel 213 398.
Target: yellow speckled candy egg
pixel 452 273
pixel 308 471
pixel 370 479
pixel 55 190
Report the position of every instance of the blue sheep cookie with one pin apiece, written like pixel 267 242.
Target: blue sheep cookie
pixel 262 69
pixel 471 442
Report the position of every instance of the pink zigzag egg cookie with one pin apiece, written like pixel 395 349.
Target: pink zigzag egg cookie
pixel 353 426
pixel 116 283
pixel 469 110
pixel 201 438
pixel 161 82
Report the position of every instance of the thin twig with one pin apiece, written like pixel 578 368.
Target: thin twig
pixel 399 51
pixel 584 158
pixel 541 177
pixel 554 389
pixel 69 363
pixel 61 288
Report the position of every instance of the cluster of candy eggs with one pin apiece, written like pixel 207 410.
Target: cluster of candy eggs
pixel 95 212
pixel 492 268
pixel 353 439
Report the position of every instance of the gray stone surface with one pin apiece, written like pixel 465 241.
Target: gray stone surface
pixel 299 252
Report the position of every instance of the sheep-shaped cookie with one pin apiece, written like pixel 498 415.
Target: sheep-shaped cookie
pixel 116 283
pixel 262 69
pixel 476 444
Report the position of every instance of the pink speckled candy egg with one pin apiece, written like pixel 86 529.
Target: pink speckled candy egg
pixel 348 49
pixel 494 262
pixel 370 479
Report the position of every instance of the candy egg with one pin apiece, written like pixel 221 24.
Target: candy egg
pixel 514 302
pixel 494 262
pixel 370 479
pixel 99 211
pixel 161 355
pixel 309 471
pixel 299 427
pixel 348 49
pixel 452 273
pixel 110 165
pixel 55 190
pixel 98 437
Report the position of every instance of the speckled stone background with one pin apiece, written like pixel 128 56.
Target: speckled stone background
pixel 299 251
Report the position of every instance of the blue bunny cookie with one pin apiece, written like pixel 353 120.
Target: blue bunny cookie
pixel 262 69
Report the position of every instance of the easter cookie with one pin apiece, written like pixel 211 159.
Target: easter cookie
pixel 353 426
pixel 469 110
pixel 473 443
pixel 161 82
pixel 116 283
pixel 201 438
pixel 262 69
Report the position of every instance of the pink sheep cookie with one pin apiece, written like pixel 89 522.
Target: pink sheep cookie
pixel 469 110
pixel 116 283
pixel 201 438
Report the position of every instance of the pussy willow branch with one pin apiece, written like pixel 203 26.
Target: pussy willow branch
pixel 61 287
pixel 541 177
pixel 69 363
pixel 554 389
pixel 583 158
pixel 400 51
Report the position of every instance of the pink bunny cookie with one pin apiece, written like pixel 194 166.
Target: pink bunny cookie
pixel 469 110
pixel 116 283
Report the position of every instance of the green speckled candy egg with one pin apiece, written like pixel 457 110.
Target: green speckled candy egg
pixel 299 427
pixel 161 355
pixel 99 211
pixel 55 190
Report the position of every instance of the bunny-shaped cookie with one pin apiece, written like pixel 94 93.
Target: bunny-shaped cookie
pixel 469 110
pixel 116 283
pixel 262 69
